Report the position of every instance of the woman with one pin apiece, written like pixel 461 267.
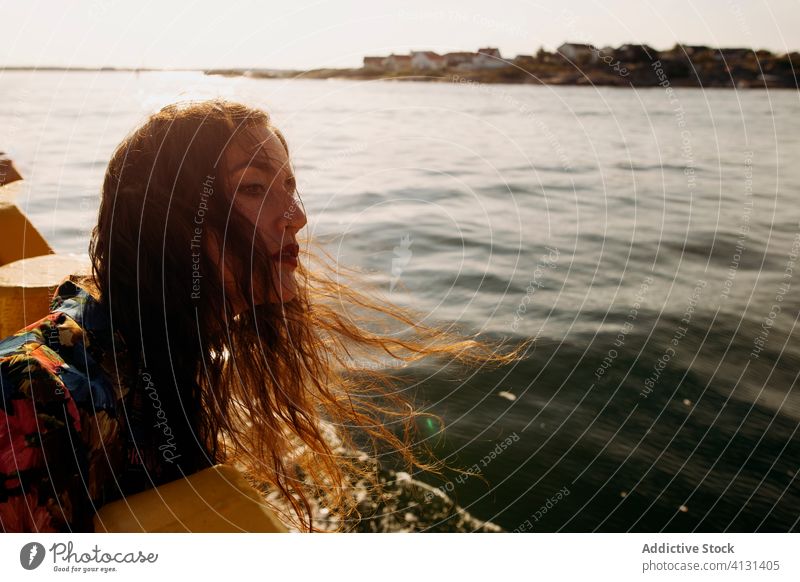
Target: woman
pixel 203 336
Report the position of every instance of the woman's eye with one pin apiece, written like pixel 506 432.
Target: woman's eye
pixel 254 189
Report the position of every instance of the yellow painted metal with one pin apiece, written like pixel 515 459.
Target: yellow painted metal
pixel 218 499
pixel 27 286
pixel 19 239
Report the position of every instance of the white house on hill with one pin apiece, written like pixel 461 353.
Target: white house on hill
pixel 397 62
pixel 374 63
pixel 485 58
pixel 427 61
pixel 488 58
pixel 579 53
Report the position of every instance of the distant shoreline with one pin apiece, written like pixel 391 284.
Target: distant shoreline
pixel 585 79
pixel 358 75
pixel 703 68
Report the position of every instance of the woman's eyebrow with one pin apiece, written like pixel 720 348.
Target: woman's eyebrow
pixel 259 164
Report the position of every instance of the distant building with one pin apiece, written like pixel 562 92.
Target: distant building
pixel 734 54
pixel 687 55
pixel 686 50
pixel 488 58
pixel 544 56
pixel 459 60
pixel 374 63
pixel 578 53
pixel 397 62
pixel 485 58
pixel 427 61
pixel 636 53
pixel 524 60
pixel 693 49
pixel 608 50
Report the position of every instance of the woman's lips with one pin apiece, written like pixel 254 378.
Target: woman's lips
pixel 288 254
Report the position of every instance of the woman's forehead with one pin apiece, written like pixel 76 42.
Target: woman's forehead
pixel 256 146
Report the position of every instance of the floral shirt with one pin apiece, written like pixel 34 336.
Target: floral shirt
pixel 67 414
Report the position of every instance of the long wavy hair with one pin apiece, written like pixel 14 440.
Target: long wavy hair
pixel 281 389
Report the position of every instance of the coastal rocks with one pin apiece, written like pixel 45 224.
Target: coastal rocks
pixel 628 65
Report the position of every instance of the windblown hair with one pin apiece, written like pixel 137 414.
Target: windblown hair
pixel 256 389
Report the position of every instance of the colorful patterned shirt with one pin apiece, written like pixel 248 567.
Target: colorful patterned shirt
pixel 67 413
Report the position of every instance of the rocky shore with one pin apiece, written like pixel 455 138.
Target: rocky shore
pixel 625 66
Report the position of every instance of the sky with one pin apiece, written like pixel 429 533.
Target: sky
pixel 300 34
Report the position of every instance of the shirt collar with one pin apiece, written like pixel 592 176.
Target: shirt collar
pixel 77 303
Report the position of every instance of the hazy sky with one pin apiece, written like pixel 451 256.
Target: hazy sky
pixel 300 33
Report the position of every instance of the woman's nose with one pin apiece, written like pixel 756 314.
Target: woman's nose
pixel 296 216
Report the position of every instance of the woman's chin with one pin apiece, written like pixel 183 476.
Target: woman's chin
pixel 286 294
pixel 288 283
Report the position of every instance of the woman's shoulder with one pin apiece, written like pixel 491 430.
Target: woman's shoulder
pixel 71 347
pixel 30 379
pixel 31 363
pixel 59 420
pixel 38 417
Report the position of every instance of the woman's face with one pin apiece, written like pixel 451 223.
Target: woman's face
pixel 266 195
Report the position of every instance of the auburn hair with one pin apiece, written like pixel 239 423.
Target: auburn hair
pixel 280 390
